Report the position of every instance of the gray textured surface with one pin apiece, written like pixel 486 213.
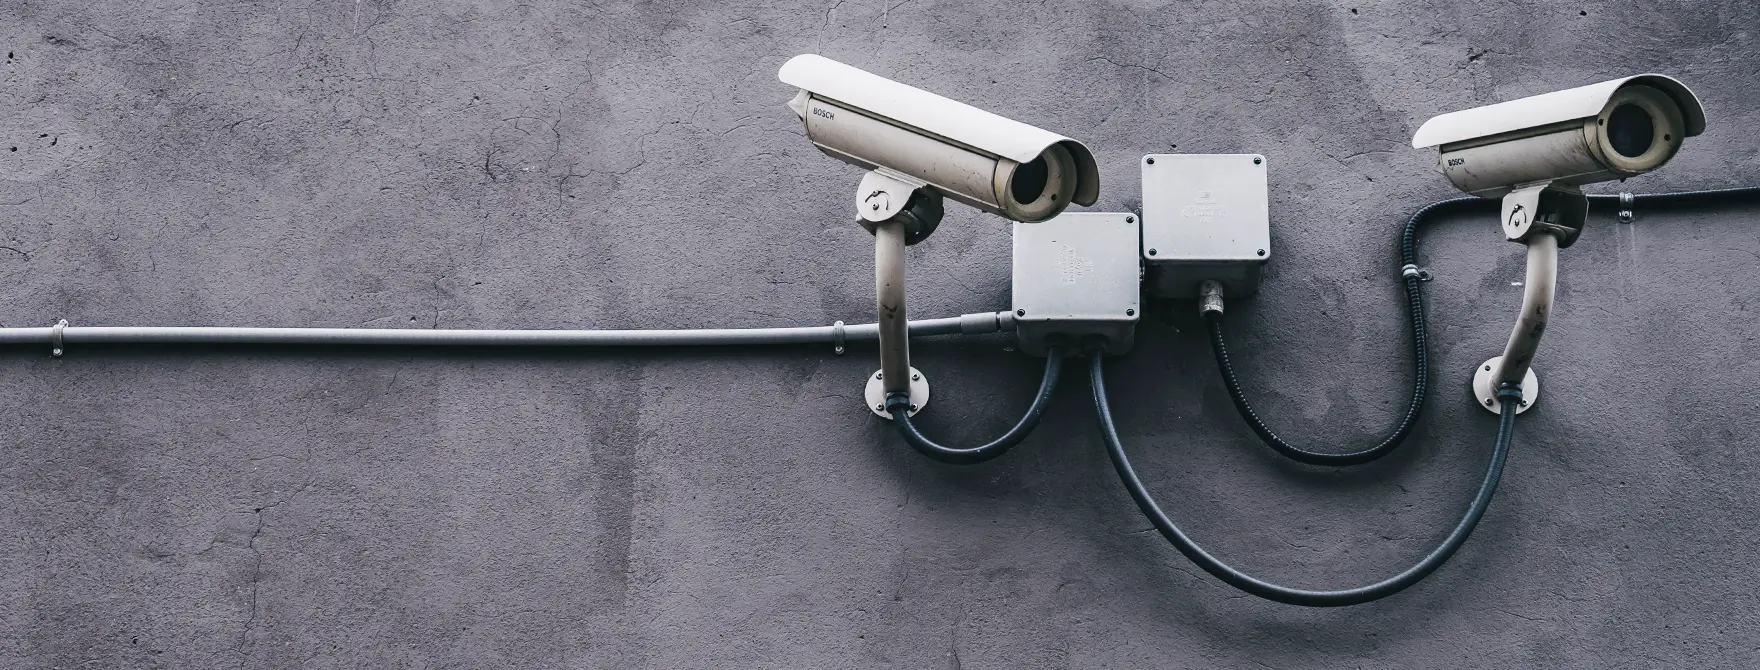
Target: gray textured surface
pixel 559 164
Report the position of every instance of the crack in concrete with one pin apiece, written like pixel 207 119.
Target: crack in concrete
pixel 256 583
pixel 1364 153
pixel 826 24
pixel 1518 616
pixel 953 640
pixel 257 566
pixel 1114 63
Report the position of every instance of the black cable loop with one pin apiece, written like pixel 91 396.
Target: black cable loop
pixel 1420 335
pixel 1420 385
pixel 1510 395
pixel 1412 282
pixel 899 406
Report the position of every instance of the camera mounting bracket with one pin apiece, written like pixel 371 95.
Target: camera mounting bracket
pixel 1545 218
pixel 886 195
pixel 1545 207
pixel 899 211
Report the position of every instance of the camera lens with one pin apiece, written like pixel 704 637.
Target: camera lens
pixel 1630 131
pixel 1028 181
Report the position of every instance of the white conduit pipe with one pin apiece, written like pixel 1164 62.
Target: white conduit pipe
pixel 979 323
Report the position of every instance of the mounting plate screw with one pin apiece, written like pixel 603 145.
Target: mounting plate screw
pixel 1487 402
pixel 1261 252
pixel 1130 219
pixel 1487 368
pixel 1020 312
pixel 916 377
pixel 1150 161
pixel 1130 312
pixel 883 407
pixel 913 407
pixel 1151 251
pixel 1257 160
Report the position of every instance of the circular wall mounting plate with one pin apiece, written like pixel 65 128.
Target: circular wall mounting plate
pixel 1486 394
pixel 876 394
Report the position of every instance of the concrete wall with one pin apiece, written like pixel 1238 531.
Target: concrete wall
pixel 550 164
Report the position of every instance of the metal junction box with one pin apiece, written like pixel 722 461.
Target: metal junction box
pixel 1205 216
pixel 1076 276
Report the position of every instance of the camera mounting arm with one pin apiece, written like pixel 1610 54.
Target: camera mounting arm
pixel 899 210
pixel 1546 217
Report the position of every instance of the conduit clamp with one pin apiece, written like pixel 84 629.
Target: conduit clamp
pixel 1626 200
pixel 1410 271
pixel 55 348
pixel 837 338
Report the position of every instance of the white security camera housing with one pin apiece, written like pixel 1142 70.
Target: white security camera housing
pixel 987 161
pixel 1595 133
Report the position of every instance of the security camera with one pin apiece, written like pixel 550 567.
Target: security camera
pixel 1534 153
pixel 919 147
pixel 1595 133
pixel 992 163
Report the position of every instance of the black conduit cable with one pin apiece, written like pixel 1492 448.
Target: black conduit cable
pixel 1510 396
pixel 1420 386
pixel 899 406
pixel 1413 284
pixel 1411 279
